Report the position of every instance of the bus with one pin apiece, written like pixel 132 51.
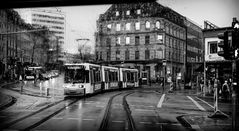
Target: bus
pixel 32 72
pixel 82 78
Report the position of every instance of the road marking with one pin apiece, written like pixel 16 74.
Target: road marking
pixel 72 118
pixel 57 118
pixel 88 119
pixel 205 102
pixel 198 105
pixel 145 122
pixel 212 106
pixel 161 101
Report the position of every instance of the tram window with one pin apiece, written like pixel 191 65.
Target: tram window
pixel 96 76
pixel 107 76
pixel 77 76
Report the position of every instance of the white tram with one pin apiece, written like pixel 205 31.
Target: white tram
pixel 86 78
pixel 129 77
pixel 110 77
pixel 82 78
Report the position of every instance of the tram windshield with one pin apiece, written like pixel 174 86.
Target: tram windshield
pixel 76 75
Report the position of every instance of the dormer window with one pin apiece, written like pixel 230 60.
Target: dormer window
pixel 117 13
pixel 128 12
pixel 138 11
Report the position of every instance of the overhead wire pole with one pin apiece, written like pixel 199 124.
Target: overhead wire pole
pixel 82 39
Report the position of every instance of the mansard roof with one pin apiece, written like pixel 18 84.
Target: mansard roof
pixel 149 9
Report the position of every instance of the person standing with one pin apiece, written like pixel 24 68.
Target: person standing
pixel 225 90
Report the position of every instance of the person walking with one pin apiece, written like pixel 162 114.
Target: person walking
pixel 225 90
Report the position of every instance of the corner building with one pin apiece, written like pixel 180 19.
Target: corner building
pixel 141 36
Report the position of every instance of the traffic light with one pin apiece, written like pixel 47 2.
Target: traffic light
pixel 226 45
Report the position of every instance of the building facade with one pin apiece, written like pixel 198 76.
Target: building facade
pixel 195 49
pixel 216 66
pixel 52 18
pixel 141 36
pixel 18 47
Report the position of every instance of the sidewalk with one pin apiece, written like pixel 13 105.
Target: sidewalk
pixel 30 97
pixel 204 123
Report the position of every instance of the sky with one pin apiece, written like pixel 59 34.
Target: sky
pixel 81 20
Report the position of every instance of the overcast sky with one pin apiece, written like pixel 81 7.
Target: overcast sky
pixel 81 20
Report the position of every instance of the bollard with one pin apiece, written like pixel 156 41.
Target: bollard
pixel 21 89
pixel 40 88
pixel 47 91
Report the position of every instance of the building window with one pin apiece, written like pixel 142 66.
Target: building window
pixel 128 12
pixel 108 42
pixel 127 40
pixel 127 55
pixel 160 38
pixel 118 40
pixel 147 40
pixel 117 27
pixel 127 26
pixel 117 13
pixel 108 55
pixel 137 25
pixel 138 11
pixel 117 55
pixel 137 55
pixel 108 27
pixel 213 47
pixel 147 24
pixel 147 54
pixel 136 40
pixel 157 24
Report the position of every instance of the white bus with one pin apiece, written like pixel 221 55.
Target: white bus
pixel 82 78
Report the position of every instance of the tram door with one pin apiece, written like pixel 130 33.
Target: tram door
pixel 145 77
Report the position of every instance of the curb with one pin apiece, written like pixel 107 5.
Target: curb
pixel 187 124
pixel 9 103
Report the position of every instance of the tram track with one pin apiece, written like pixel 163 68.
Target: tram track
pixel 45 118
pixel 106 117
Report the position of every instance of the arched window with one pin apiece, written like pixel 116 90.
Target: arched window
pixel 157 24
pixel 147 24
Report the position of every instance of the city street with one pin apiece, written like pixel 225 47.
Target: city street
pixel 151 109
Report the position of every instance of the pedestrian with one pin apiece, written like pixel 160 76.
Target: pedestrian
pixel 225 90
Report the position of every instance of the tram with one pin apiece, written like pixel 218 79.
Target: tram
pixel 110 77
pixel 129 77
pixel 83 78
pixel 87 78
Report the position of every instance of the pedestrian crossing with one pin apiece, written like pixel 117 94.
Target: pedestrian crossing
pixel 184 101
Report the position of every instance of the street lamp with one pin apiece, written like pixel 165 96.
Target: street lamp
pixel 82 39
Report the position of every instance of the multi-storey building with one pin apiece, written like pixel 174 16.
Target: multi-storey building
pixel 215 64
pixel 17 45
pixel 194 52
pixel 142 35
pixel 52 18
